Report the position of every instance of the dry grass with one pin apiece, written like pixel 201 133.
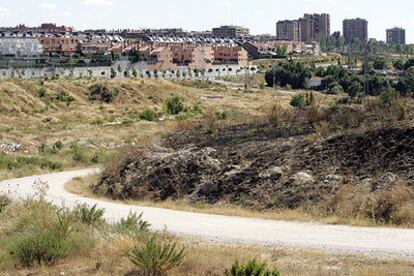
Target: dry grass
pixel 28 119
pixel 341 209
pixel 110 257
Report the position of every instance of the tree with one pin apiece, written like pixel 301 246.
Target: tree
pixel 381 63
pixel 281 51
pixel 354 89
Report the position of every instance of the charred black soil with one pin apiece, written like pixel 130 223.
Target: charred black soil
pixel 263 166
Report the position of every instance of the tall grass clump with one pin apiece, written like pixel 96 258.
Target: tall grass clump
pixel 90 215
pixel 174 105
pixel 133 223
pixel 251 268
pixel 155 258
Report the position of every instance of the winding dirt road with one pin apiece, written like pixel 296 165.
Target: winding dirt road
pixel 337 238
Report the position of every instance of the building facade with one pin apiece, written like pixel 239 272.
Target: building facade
pixel 20 46
pixel 355 29
pixel 230 55
pixel 305 29
pixel 396 36
pixel 231 31
pixel 193 56
pixel 288 30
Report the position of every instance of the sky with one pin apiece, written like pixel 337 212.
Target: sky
pixel 258 15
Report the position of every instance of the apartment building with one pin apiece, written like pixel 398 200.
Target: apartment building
pixel 230 55
pixel 231 31
pixel 288 30
pixel 193 56
pixel 355 29
pixel 396 36
pixel 20 46
pixel 158 58
pixel 305 29
pixel 59 44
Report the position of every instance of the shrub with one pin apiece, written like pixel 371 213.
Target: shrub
pixel 132 223
pixel 174 105
pixel 78 154
pixel 42 92
pixel 89 215
pixel 298 101
pixel 148 115
pixel 389 97
pixel 4 202
pixel 44 247
pixel 251 268
pixel 62 96
pixel 101 91
pixel 155 258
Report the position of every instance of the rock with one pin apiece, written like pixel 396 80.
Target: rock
pixel 9 147
pixel 301 178
pixel 274 173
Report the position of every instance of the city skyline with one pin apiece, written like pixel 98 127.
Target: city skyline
pixel 260 17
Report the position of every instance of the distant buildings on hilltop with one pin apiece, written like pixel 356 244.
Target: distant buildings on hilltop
pixel 305 29
pixel 396 36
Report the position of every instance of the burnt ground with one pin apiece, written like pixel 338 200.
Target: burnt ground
pixel 263 166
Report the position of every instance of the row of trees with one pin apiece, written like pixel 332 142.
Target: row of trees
pixel 337 79
pixel 293 74
pixel 337 43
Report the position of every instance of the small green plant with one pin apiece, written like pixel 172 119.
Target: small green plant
pixel 251 268
pixel 148 115
pixel 78 153
pixel 90 215
pixel 63 97
pixel 174 105
pixel 132 223
pixel 298 101
pixel 223 115
pixel 42 92
pixel 156 259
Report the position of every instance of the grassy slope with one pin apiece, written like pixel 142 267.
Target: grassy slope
pixel 33 120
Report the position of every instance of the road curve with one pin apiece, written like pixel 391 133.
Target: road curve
pixel 297 235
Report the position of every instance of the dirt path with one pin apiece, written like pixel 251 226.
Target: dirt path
pixel 338 238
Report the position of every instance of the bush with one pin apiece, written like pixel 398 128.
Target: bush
pixel 389 97
pixel 101 91
pixel 132 223
pixel 148 115
pixel 43 247
pixel 155 258
pixel 174 105
pixel 251 268
pixel 78 154
pixel 298 101
pixel 42 92
pixel 4 202
pixel 89 215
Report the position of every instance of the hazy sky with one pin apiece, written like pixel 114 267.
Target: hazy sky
pixel 259 15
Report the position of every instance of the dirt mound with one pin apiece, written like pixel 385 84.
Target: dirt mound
pixel 270 168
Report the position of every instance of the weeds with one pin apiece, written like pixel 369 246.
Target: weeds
pixel 90 215
pixel 148 115
pixel 251 268
pixel 132 224
pixel 156 259
pixel 4 202
pixel 174 105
